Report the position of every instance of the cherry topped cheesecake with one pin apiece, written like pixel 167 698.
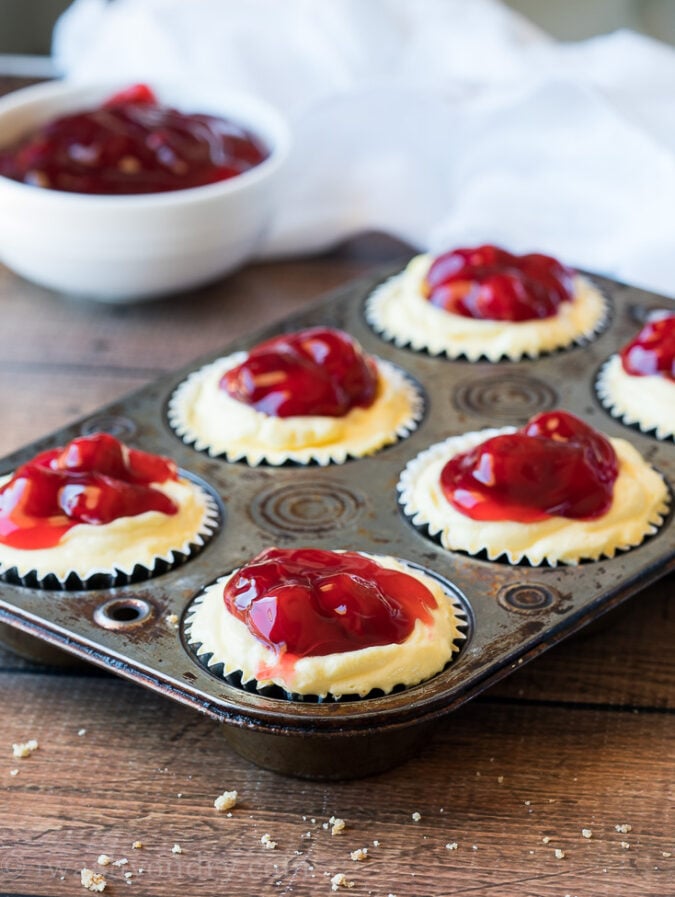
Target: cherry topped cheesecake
pixel 553 491
pixel 637 384
pixel 317 622
pixel 97 506
pixel 309 396
pixel 486 302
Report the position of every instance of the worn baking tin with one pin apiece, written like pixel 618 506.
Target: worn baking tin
pixel 515 612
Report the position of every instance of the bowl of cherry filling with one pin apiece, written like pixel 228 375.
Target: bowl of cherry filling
pixel 120 193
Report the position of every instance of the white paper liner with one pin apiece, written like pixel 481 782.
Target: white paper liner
pixel 645 402
pixel 344 676
pixel 207 418
pixel 399 313
pixel 135 548
pixel 638 509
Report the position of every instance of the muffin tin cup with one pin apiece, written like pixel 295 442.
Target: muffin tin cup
pixel 514 612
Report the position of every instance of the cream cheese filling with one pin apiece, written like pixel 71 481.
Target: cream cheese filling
pixel 639 504
pixel 423 654
pixel 205 415
pixel 87 549
pixel 647 401
pixel 400 313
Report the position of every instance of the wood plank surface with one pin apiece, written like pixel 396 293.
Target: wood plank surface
pixel 582 738
pixel 497 780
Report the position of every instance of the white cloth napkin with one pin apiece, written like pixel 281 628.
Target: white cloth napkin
pixel 443 122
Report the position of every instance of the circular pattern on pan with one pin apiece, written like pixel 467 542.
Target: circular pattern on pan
pixel 508 397
pixel 527 598
pixel 312 507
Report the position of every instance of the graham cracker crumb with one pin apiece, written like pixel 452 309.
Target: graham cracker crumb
pixel 666 853
pixel 92 881
pixel 625 845
pixel 624 828
pixel 340 881
pixel 172 620
pixel 500 779
pixel 104 860
pixel 337 825
pixel 121 862
pixel 176 848
pixel 226 801
pixel 359 855
pixel 559 854
pixel 376 843
pixel 416 816
pixel 25 749
pixel 451 845
pixel 546 839
pixel 137 845
pixel 586 833
pixel 267 842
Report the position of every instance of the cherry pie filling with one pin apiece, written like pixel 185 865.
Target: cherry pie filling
pixel 652 352
pixel 555 466
pixel 308 602
pixel 132 144
pixel 318 371
pixel 490 283
pixel 93 480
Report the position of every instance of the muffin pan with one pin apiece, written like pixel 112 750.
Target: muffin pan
pixel 513 613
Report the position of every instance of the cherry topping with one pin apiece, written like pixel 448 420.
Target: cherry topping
pixel 309 602
pixel 315 371
pixel 492 284
pixel 132 144
pixel 94 479
pixel 653 350
pixel 555 466
pixel 135 93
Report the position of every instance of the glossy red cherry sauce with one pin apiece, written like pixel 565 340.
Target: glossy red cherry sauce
pixel 555 466
pixel 307 602
pixel 132 144
pixel 314 371
pixel 94 479
pixel 490 283
pixel 652 352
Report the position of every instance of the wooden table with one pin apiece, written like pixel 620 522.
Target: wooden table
pixel 582 740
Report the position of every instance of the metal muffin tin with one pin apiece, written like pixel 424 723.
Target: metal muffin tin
pixel 515 612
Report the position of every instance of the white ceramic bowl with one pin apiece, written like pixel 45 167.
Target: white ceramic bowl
pixel 125 248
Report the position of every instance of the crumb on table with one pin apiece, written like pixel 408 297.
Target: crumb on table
pixel 337 825
pixel 226 801
pixel 92 881
pixel 25 749
pixel 340 880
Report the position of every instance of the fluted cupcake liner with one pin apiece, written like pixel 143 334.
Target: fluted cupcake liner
pixel 91 577
pixel 207 657
pixel 646 404
pixel 641 504
pixel 398 313
pixel 208 420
